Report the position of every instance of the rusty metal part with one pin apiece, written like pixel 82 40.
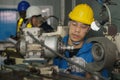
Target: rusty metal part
pixel 66 76
pixel 104 52
pixel 63 76
pixel 22 72
pixel 112 29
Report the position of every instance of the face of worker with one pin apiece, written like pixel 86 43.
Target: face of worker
pixel 22 14
pixel 35 21
pixel 77 31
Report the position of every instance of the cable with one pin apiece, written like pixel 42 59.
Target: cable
pixel 108 10
pixel 58 20
pixel 53 17
pixel 78 65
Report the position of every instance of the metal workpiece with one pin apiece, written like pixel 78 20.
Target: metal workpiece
pixel 21 47
pixel 53 43
pixel 68 47
pixel 104 52
pixel 4 45
pixel 27 46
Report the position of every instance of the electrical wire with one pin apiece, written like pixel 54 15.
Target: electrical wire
pixel 58 20
pixel 109 13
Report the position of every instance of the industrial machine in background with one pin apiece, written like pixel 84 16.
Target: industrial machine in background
pixel 111 33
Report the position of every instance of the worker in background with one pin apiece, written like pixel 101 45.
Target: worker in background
pixel 81 18
pixel 35 19
pixel 22 7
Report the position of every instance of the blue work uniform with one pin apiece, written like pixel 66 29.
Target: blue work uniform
pixel 82 57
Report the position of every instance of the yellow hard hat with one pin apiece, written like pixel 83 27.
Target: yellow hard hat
pixel 82 13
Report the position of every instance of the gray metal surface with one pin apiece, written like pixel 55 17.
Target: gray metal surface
pixel 52 42
pixel 104 52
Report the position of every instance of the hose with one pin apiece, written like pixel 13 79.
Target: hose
pixel 58 20
pixel 53 17
pixel 68 60
pixel 108 10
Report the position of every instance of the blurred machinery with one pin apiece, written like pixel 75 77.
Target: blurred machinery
pixel 37 48
pixel 35 55
pixel 111 33
pixel 31 49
